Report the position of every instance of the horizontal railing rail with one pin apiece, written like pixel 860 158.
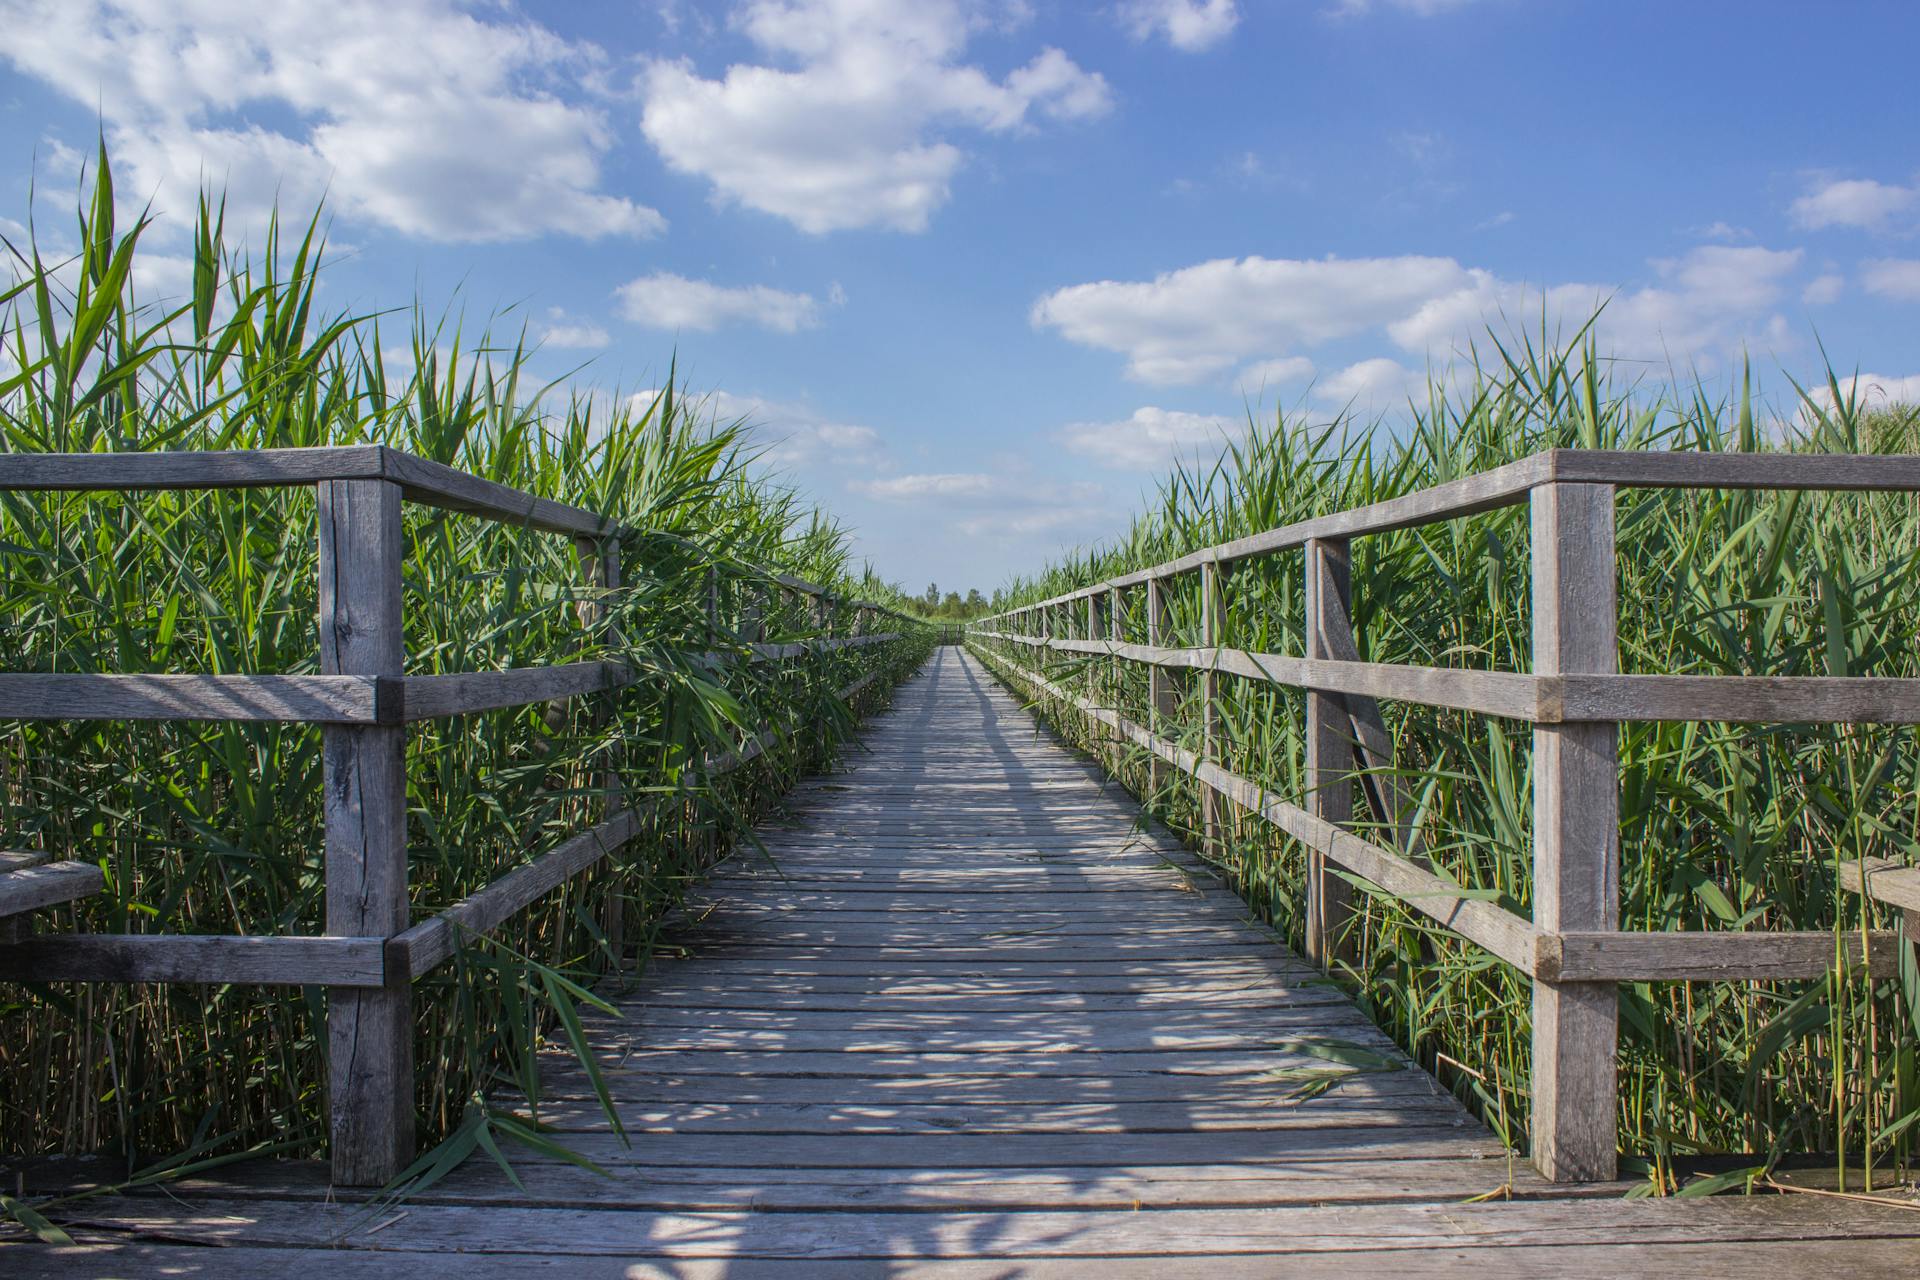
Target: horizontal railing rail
pixel 363 702
pixel 1575 698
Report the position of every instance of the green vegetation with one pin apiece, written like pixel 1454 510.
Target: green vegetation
pixel 215 828
pixel 1723 826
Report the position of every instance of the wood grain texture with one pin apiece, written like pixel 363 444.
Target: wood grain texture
pixel 819 1081
pixel 1499 931
pixel 1708 957
pixel 270 961
pixel 326 699
pixel 1893 883
pixel 364 805
pixel 1329 746
pixel 31 888
pixel 1514 482
pixel 1576 833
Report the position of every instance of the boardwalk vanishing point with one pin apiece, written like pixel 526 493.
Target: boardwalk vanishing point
pixel 976 1019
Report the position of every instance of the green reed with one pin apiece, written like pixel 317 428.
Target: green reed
pixel 1723 826
pixel 215 828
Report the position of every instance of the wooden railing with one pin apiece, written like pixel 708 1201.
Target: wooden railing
pixel 371 951
pixel 1572 948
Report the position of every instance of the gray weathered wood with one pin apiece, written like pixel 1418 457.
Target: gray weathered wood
pixel 32 888
pixel 600 566
pixel 1353 1231
pixel 1330 759
pixel 1512 483
pixel 465 692
pixel 21 859
pixel 1212 726
pixel 1887 881
pixel 1610 957
pixel 160 957
pixel 329 699
pixel 433 941
pixel 1576 834
pixel 1162 697
pixel 369 1033
pixel 191 469
pixel 1043 1105
pixel 1500 932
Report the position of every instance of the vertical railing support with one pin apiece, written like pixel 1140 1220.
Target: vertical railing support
pixel 1576 833
pixel 1162 700
pixel 1212 733
pixel 600 567
pixel 1329 744
pixel 1116 680
pixel 1096 732
pixel 364 806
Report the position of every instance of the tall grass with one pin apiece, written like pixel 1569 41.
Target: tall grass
pixel 215 828
pixel 1722 826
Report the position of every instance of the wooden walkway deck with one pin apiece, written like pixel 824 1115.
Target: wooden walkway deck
pixel 977 1024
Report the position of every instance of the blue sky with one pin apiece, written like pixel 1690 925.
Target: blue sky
pixel 978 269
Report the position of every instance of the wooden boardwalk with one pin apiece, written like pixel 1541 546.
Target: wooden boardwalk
pixel 975 1022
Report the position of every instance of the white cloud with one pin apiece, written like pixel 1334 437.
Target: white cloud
pixel 667 301
pixel 1866 390
pixel 1193 324
pixel 1002 510
pixel 1191 25
pixel 1824 290
pixel 1188 325
pixel 1877 389
pixel 565 332
pixel 965 485
pixel 1852 202
pixel 416 115
pixel 787 435
pixel 1263 375
pixel 856 130
pixel 1151 437
pixel 1371 386
pixel 1896 278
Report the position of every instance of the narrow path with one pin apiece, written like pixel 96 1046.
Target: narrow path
pixel 971 1011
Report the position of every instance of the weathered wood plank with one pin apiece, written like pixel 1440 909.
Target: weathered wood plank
pixel 465 692
pixel 33 888
pixel 327 699
pixel 269 961
pixel 1350 1230
pixel 1894 883
pixel 1708 957
pixel 433 941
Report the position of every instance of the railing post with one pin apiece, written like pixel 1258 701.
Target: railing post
pixel 1329 745
pixel 363 769
pixel 1096 630
pixel 600 565
pixel 1211 735
pixel 1576 832
pixel 1162 701
pixel 1116 632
